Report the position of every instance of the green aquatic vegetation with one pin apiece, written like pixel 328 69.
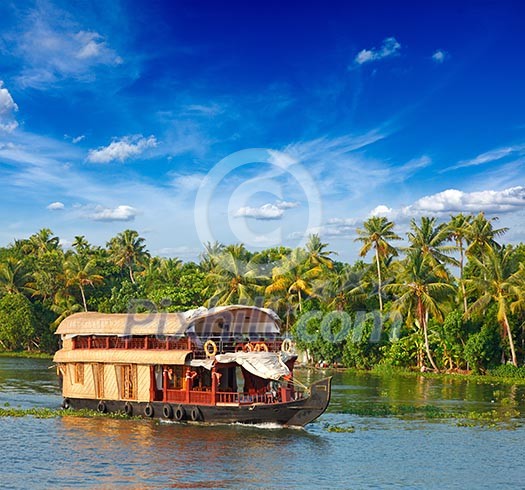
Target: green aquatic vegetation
pixel 39 413
pixel 431 412
pixel 338 428
pixel 47 413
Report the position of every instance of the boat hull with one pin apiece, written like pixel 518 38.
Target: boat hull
pixel 296 413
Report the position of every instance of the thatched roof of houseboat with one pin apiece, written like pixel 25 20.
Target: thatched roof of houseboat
pixel 223 320
pixel 123 356
pixel 91 323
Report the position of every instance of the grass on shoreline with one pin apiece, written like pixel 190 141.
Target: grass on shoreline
pixel 26 354
pixel 385 370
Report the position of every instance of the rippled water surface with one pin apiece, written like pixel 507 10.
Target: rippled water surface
pixel 409 451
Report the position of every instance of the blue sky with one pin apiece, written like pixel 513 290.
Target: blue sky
pixel 257 122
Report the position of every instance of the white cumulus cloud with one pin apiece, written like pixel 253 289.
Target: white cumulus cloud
pixel 390 47
pixel 268 211
pixel 265 212
pixel 8 108
pixel 123 149
pixel 452 201
pixel 455 201
pixel 287 204
pixel 381 210
pixel 56 206
pixel 120 213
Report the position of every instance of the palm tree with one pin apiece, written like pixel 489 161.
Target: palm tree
pixel 128 250
pixel 459 230
pixel 482 236
pixel 317 255
pixel 14 278
pixel 293 278
pixel 233 280
pixel 421 291
pixel 339 288
pixel 41 242
pixel 499 284
pixel 80 272
pixel 429 237
pixel 65 304
pixel 208 259
pixel 81 245
pixel 377 232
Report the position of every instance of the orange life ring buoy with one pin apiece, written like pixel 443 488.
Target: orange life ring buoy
pixel 248 347
pixel 261 347
pixel 210 348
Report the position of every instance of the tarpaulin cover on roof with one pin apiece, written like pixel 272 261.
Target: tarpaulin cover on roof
pixel 266 365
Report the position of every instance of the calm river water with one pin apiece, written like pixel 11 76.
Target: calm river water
pixel 381 452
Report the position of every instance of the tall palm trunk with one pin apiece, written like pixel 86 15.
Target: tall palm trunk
pixel 511 342
pixel 83 296
pixel 461 281
pixel 379 281
pixel 423 322
pixel 131 275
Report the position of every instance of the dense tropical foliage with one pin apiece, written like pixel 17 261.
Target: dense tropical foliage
pixel 446 296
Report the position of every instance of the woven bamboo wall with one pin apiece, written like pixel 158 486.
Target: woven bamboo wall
pixel 143 383
pixel 78 390
pixel 111 382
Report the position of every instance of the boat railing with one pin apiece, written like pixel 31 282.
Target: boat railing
pixel 230 345
pixel 177 343
pixel 243 398
pixel 205 397
pixel 145 343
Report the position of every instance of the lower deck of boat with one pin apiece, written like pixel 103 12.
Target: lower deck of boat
pixel 294 413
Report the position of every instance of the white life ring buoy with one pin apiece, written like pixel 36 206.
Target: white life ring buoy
pixel 210 348
pixel 287 346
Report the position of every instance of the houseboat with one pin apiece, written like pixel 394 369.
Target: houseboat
pixel 220 365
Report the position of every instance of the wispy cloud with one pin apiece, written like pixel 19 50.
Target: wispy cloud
pixel 186 182
pixel 390 47
pixel 341 166
pixel 490 156
pixel 210 110
pixel 75 139
pixel 121 150
pixel 440 56
pixel 52 47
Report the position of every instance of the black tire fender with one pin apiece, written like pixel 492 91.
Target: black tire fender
pixel 149 411
pixel 128 409
pixel 167 411
pixel 180 413
pixel 195 414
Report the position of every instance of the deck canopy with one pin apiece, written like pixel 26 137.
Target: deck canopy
pixel 223 321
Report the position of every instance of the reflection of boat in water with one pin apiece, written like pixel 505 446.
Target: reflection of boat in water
pixel 226 364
